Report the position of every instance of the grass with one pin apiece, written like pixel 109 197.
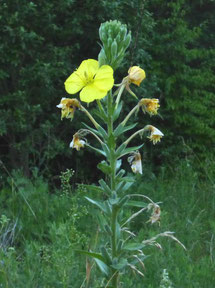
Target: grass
pixel 38 251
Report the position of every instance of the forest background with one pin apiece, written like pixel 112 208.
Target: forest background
pixel 44 216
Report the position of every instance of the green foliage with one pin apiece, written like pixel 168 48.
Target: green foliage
pixel 174 44
pixel 29 260
pixel 39 250
pixel 184 71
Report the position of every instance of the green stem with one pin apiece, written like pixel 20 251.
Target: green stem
pixel 135 134
pixel 129 115
pixel 90 117
pixel 112 161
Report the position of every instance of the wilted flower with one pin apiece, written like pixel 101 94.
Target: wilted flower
pixel 155 135
pixel 77 143
pixel 149 105
pixel 68 107
pixel 136 163
pixel 93 81
pixel 156 212
pixel 136 75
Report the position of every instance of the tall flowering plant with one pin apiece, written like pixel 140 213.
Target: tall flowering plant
pixel 94 81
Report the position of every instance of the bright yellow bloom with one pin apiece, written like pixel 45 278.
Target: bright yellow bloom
pixel 93 81
pixel 68 107
pixel 77 143
pixel 136 75
pixel 155 135
pixel 135 161
pixel 149 105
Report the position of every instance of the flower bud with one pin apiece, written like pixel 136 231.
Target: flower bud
pixel 127 40
pixel 102 58
pixel 114 40
pixel 114 49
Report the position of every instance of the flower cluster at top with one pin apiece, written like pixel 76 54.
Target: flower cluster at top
pixel 94 82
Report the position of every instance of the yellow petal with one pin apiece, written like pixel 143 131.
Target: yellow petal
pixel 104 78
pixel 88 69
pixel 136 75
pixel 91 92
pixel 74 83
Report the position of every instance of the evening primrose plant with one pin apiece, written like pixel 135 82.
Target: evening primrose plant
pixel 94 81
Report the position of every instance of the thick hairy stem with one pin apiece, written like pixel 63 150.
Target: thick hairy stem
pixel 112 161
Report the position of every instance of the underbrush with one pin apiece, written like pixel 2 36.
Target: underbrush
pixel 41 229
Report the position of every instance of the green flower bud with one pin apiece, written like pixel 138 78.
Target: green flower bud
pixel 123 32
pixel 109 42
pixel 102 58
pixel 114 49
pixel 127 40
pixel 118 40
pixel 115 40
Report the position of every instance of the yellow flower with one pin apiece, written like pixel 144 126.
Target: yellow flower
pixel 93 81
pixel 135 161
pixel 149 105
pixel 136 75
pixel 155 135
pixel 77 143
pixel 68 107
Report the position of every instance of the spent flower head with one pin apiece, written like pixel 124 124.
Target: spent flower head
pixel 136 163
pixel 149 105
pixel 68 107
pixel 156 212
pixel 155 135
pixel 77 142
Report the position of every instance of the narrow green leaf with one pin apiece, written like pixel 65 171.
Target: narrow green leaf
pixel 106 255
pixel 105 186
pixel 120 173
pixel 117 111
pixel 101 220
pixel 101 114
pixel 91 254
pixel 92 129
pixel 121 264
pixel 103 132
pixel 133 246
pixel 92 188
pixel 131 149
pixel 104 167
pixel 97 203
pixel 102 266
pixel 123 200
pixel 106 150
pixel 120 150
pixel 121 129
pixel 96 149
pixel 118 164
pixel 140 204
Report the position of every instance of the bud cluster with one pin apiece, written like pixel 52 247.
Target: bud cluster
pixel 115 39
